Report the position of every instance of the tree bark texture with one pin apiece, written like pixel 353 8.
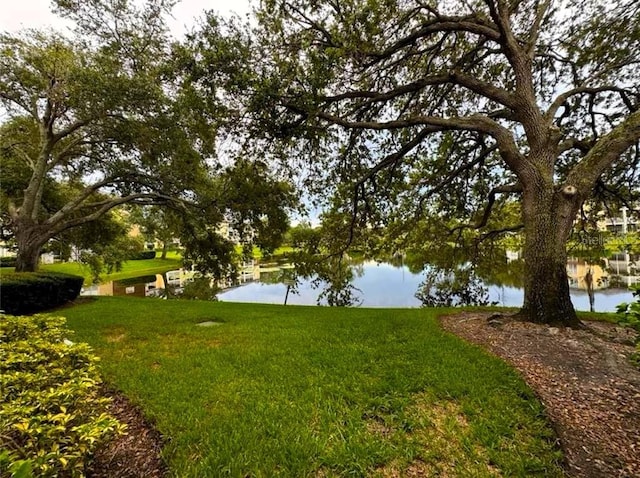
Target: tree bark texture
pixel 29 242
pixel 548 218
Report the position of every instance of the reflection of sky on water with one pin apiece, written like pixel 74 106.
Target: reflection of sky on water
pixel 384 285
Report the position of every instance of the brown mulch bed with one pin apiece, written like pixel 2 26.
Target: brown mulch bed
pixel 133 455
pixel 584 379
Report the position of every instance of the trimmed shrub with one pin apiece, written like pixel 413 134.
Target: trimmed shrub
pixel 30 292
pixel 8 261
pixel 136 280
pixel 140 256
pixel 52 414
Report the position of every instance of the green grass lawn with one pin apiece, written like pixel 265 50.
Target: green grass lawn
pixel 129 268
pixel 258 254
pixel 138 268
pixel 132 269
pixel 313 391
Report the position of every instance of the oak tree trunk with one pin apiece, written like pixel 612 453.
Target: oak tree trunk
pixel 28 256
pixel 548 218
pixel 29 241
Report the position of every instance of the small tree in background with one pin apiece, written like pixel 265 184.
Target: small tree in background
pixel 111 116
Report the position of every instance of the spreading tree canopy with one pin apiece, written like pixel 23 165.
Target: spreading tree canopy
pixel 109 116
pixel 447 108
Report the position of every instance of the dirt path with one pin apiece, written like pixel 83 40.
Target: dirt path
pixel 583 377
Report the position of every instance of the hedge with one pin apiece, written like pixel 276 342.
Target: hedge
pixel 140 256
pixel 30 292
pixel 136 280
pixel 8 261
pixel 52 412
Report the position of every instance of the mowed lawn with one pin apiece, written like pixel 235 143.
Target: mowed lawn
pixel 315 391
pixel 129 268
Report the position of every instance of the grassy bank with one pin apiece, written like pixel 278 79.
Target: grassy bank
pixel 312 391
pixel 138 268
pixel 129 269
pixel 277 253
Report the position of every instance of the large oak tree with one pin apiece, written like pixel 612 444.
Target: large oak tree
pixel 442 104
pixel 108 115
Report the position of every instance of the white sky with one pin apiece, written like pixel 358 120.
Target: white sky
pixel 18 14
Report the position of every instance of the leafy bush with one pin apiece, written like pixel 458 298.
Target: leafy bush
pixel 29 292
pixel 7 261
pixel 144 255
pixel 52 416
pixel 630 317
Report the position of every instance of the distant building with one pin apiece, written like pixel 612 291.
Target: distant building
pixel 513 255
pixel 626 222
pixel 6 251
pixel 231 234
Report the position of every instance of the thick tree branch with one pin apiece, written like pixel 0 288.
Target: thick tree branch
pixel 534 32
pixel 506 189
pixel 441 24
pixel 154 198
pixel 582 145
pixel 527 111
pixel 70 129
pixel 562 98
pixel 73 205
pixel 604 152
pixel 479 123
pixel 480 87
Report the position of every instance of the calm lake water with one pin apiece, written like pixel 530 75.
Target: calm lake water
pixel 386 285
pixel 378 285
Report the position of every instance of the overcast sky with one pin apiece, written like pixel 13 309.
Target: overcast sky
pixel 19 14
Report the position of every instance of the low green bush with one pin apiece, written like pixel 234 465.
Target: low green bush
pixel 52 415
pixel 7 261
pixel 144 255
pixel 30 292
pixel 630 317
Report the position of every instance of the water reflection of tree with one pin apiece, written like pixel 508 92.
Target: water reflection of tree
pixel 200 288
pixel 501 272
pixel 322 261
pixel 334 275
pixel 458 260
pixel 489 263
pixel 458 286
pixel 455 273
